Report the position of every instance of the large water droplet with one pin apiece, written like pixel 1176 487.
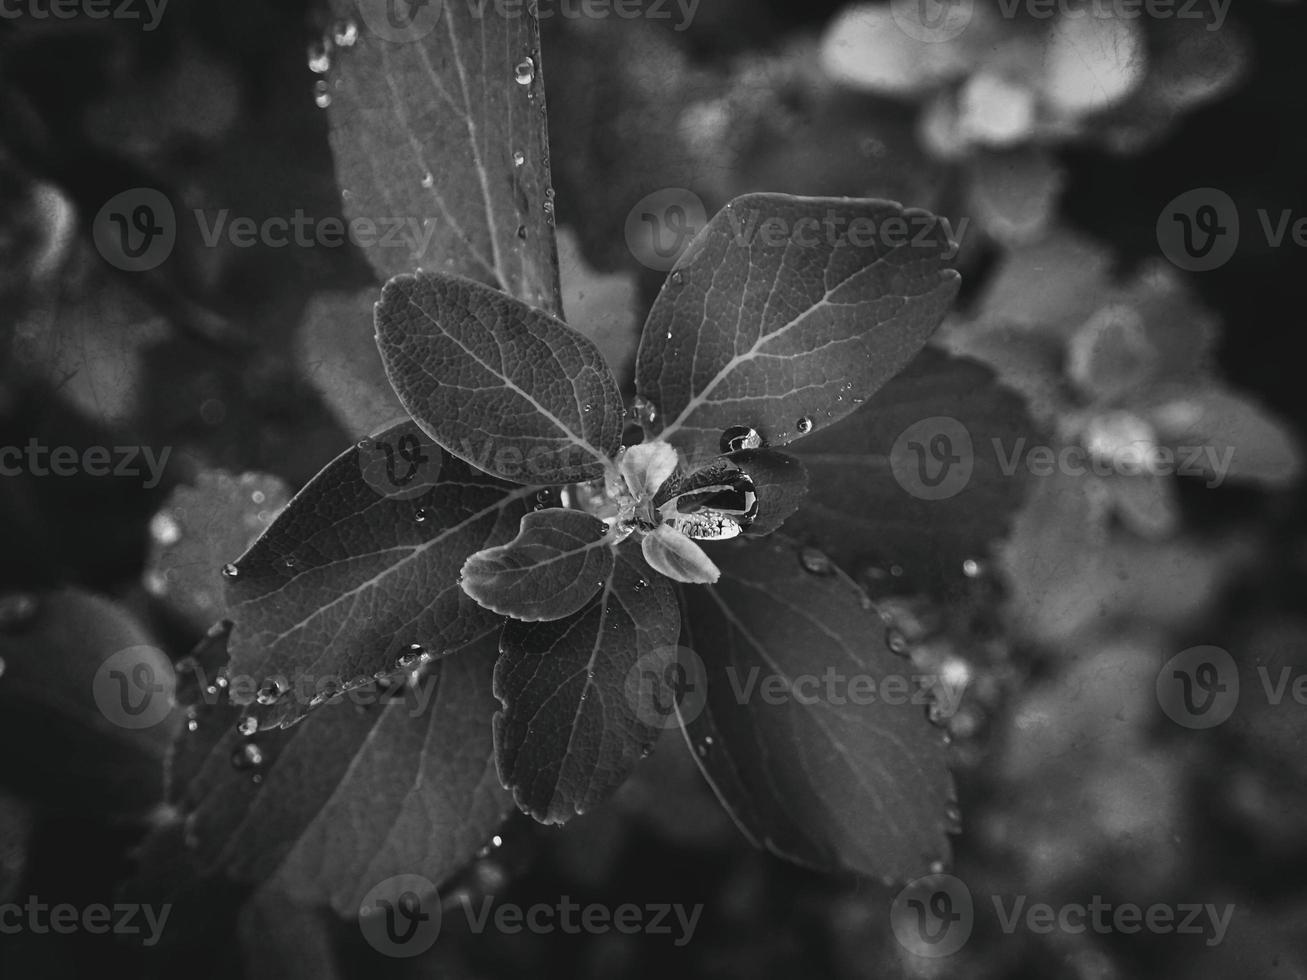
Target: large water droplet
pixel 804 425
pixel 16 610
pixel 319 57
pixel 739 437
pixel 271 691
pixel 525 73
pixel 414 655
pixel 816 561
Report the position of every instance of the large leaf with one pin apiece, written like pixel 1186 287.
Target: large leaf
pixel 511 390
pixel 867 502
pixel 574 722
pixel 360 572
pixel 394 778
pixel 832 782
pixel 786 313
pixel 549 571
pixel 427 127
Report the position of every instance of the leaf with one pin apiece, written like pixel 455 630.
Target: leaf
pixel 772 317
pixel 555 565
pixel 868 503
pixel 671 553
pixel 831 782
pixel 361 567
pixel 511 390
pixel 85 704
pixel 572 725
pixel 426 124
pixel 400 781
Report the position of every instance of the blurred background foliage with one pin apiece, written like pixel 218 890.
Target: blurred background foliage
pixel 1060 141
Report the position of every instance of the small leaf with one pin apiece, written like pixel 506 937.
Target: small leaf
pixel 555 565
pixel 669 552
pixel 838 782
pixel 427 129
pixel 570 732
pixel 362 567
pixel 400 781
pixel 785 313
pixel 509 389
pixel 647 467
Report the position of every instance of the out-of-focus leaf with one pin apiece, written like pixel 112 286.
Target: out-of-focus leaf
pixel 786 313
pixel 361 571
pixel 511 390
pixel 394 778
pixel 577 715
pixel 198 530
pixel 83 678
pixel 876 494
pixel 427 125
pixel 555 565
pixel 829 782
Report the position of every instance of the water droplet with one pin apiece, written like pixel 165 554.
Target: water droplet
pixel 321 94
pixel 525 73
pixel 739 437
pixel 249 725
pixel 192 725
pixel 248 756
pixel 415 654
pixel 230 571
pixel 644 411
pixel 258 496
pixel 164 529
pixel 804 425
pixel 319 58
pixel 16 610
pixel 897 641
pixel 346 34
pixel 519 159
pixel 544 496
pixel 640 585
pixel 521 232
pixel 420 517
pixel 289 562
pixel 428 180
pixel 971 568
pixel 271 691
pixel 678 277
pixel 816 561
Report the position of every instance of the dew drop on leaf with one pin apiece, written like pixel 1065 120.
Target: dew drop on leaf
pixel 897 641
pixel 319 58
pixel 678 277
pixel 248 726
pixel 230 571
pixel 644 411
pixel 804 425
pixel 739 437
pixel 248 756
pixel 519 159
pixel 271 691
pixel 521 232
pixel 415 653
pixel 346 34
pixel 816 561
pixel 192 725
pixel 289 562
pixel 428 180
pixel 971 568
pixel 420 517
pixel 321 94
pixel 525 72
